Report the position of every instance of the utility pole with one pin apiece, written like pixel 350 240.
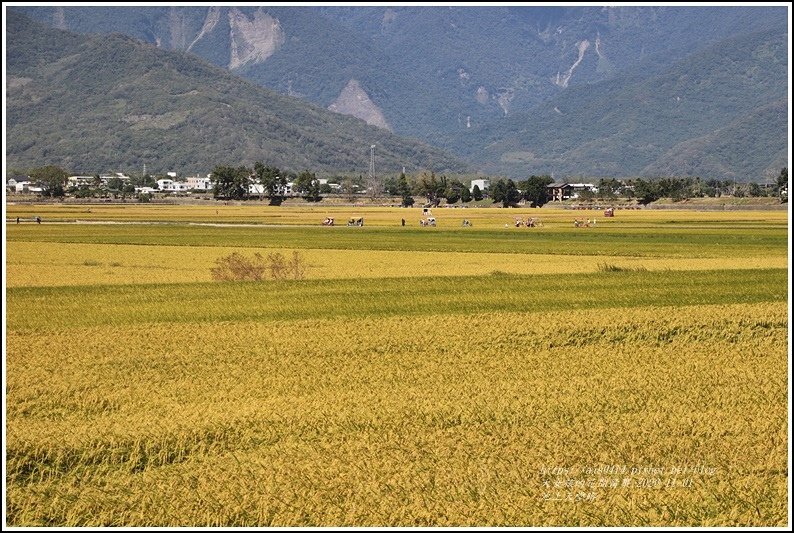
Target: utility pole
pixel 373 186
pixel 372 162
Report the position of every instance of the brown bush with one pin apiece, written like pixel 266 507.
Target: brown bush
pixel 237 267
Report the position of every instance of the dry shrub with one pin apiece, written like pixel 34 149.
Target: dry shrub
pixel 297 266
pixel 609 267
pixel 237 267
pixel 283 268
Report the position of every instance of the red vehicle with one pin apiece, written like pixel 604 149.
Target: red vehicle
pixel 609 212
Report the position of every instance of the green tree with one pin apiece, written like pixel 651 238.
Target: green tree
pixel 127 190
pixel 143 181
pixel 431 187
pixel 675 188
pixel 476 193
pixel 782 181
pixel 645 191
pixel 271 180
pixel 535 190
pixel 83 192
pixel 505 191
pixel 52 180
pixel 115 184
pixel 453 191
pixel 465 195
pixel 307 184
pixel 714 188
pixel 404 190
pixel 608 188
pixel 390 186
pixel 230 183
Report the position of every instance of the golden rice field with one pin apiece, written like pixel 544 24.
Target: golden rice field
pixel 38 264
pixel 630 374
pixel 260 213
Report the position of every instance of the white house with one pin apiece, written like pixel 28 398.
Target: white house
pixel 172 186
pixel 18 185
pixel 561 191
pixel 77 181
pixel 482 184
pixel 578 188
pixel 199 184
pixel 26 186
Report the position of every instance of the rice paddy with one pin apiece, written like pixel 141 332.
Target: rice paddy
pixel 628 374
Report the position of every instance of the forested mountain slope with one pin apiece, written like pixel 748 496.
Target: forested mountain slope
pixel 108 101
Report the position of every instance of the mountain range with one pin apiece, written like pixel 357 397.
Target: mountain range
pixel 512 90
pixel 99 102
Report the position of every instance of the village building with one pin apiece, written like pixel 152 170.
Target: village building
pixel 559 191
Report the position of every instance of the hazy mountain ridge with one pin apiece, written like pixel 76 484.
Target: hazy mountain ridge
pixel 441 74
pixel 478 62
pixel 696 97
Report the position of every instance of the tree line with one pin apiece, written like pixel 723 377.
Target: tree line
pixel 235 183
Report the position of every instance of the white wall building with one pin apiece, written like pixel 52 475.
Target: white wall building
pixel 482 184
pixel 172 186
pixel 18 186
pixel 77 181
pixel 199 184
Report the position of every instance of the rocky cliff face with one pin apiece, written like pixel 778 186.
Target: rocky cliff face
pixel 252 39
pixel 353 100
